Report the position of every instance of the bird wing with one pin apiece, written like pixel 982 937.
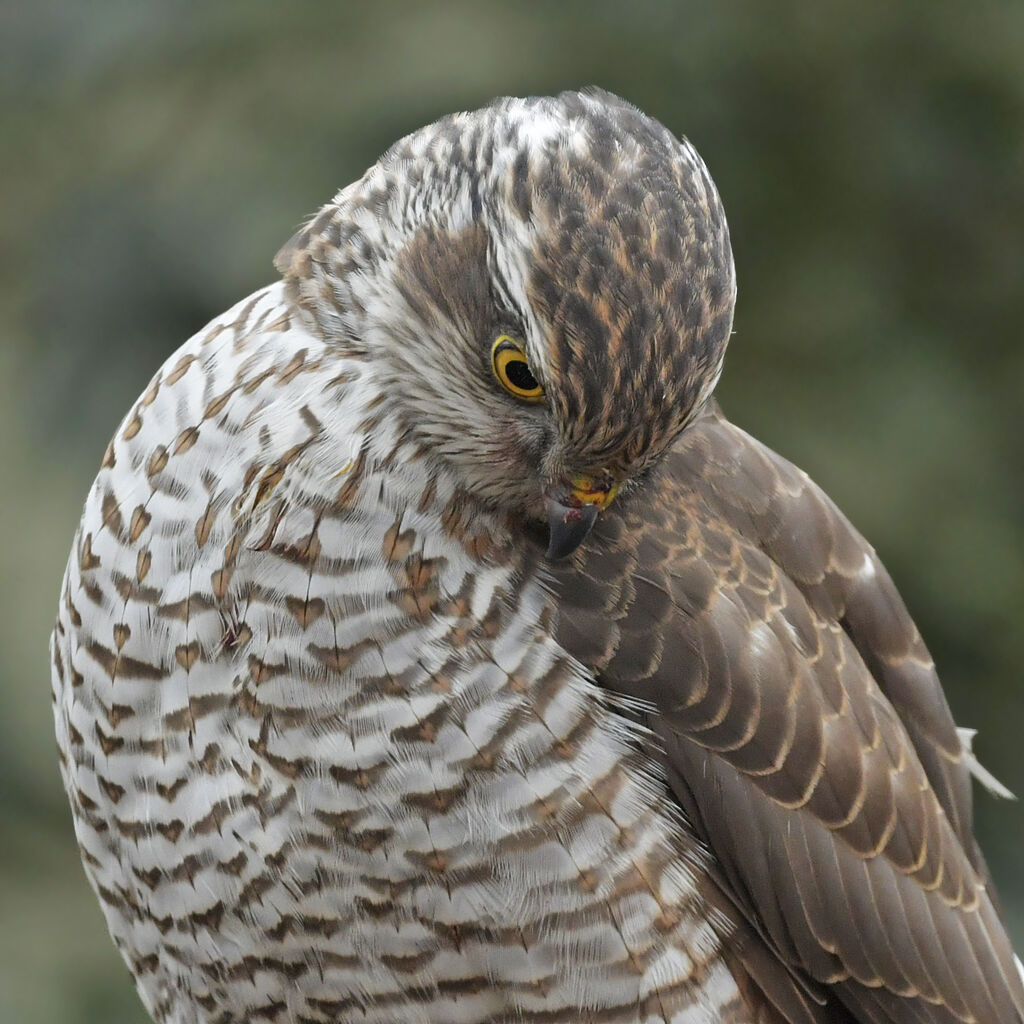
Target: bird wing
pixel 804 732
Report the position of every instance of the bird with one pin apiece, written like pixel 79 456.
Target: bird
pixel 432 649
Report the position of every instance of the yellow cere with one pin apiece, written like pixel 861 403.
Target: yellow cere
pixel 586 492
pixel 508 360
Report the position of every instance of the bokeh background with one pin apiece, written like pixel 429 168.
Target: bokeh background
pixel 871 157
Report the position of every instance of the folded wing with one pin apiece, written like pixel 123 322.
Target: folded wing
pixel 805 734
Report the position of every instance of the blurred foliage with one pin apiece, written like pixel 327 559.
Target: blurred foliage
pixel 871 159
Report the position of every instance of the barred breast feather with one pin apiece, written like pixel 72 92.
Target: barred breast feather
pixel 325 758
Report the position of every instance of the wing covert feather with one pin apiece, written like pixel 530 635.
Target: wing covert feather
pixel 776 506
pixel 804 731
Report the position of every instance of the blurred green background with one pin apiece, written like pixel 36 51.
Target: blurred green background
pixel 871 159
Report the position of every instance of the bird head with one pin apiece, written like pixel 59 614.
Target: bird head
pixel 545 289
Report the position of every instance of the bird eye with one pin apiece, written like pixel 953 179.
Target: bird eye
pixel 513 371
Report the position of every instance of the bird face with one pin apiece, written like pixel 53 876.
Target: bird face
pixel 546 290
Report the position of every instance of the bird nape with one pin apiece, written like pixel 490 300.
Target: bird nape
pixel 432 649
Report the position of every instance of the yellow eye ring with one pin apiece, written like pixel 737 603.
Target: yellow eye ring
pixel 508 360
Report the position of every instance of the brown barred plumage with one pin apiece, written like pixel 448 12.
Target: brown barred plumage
pixel 341 744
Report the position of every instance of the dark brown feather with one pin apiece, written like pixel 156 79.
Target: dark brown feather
pixel 805 734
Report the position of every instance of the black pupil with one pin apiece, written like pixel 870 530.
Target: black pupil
pixel 518 373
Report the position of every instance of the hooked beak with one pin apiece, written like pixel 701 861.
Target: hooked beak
pixel 572 511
